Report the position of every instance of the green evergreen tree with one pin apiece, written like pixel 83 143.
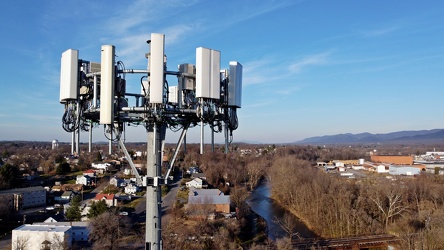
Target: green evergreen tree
pixel 73 212
pixel 97 208
pixel 63 168
pixel 98 156
pixel 9 173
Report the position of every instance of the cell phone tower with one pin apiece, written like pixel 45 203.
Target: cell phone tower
pixel 95 93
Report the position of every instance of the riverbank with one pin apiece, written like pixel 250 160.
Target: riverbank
pixel 274 214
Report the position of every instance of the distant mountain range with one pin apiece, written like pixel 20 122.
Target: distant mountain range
pixel 421 136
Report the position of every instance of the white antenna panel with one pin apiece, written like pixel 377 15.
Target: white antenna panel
pixel 107 75
pixel 69 75
pixel 235 85
pixel 173 95
pixel 156 67
pixel 207 73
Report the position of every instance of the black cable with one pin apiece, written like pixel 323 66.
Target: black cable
pixel 143 87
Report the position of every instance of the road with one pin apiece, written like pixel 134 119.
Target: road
pixel 5 243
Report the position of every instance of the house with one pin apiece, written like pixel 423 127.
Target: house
pixel 131 189
pixel 64 198
pixel 38 237
pixel 90 173
pixel 83 179
pixel 193 170
pixel 212 200
pixel 108 198
pixel 196 183
pixel 102 165
pixel 127 171
pixel 67 195
pixel 117 182
pixel 25 197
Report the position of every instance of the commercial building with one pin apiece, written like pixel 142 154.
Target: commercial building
pixel 37 237
pixel 405 170
pixel 393 159
pixel 22 198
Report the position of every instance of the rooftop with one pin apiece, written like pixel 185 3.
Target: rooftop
pixel 23 190
pixel 43 228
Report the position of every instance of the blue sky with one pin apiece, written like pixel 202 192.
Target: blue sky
pixel 310 67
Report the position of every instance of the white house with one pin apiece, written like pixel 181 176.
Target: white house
pixel 36 237
pixel 131 189
pixel 103 165
pixel 116 181
pixel 196 183
pixel 83 179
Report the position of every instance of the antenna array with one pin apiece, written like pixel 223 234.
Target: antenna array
pixel 94 93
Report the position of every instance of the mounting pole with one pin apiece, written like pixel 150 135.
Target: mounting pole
pixel 212 137
pixel 202 137
pixel 153 232
pixel 73 141
pixel 226 137
pixel 110 141
pixel 90 136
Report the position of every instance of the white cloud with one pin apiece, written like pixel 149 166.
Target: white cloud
pixel 288 90
pixel 311 60
pixel 378 32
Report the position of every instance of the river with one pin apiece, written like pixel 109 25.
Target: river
pixel 261 203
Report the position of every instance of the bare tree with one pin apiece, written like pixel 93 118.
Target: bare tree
pixel 106 230
pixel 20 243
pixel 389 202
pixel 287 223
pixel 59 242
pixel 255 170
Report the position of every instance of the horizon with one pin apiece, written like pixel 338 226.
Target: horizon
pixel 242 142
pixel 310 68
